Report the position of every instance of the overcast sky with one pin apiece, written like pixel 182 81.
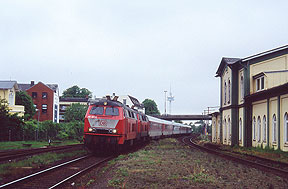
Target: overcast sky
pixel 136 47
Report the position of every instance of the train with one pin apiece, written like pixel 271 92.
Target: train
pixel 110 125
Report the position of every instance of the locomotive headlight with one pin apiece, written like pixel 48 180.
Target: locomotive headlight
pixel 90 129
pixel 114 131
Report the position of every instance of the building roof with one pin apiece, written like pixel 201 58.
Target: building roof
pixel 25 87
pixel 8 85
pixel 230 61
pixel 73 99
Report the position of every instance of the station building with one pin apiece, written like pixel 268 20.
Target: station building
pixel 253 101
pixel 66 102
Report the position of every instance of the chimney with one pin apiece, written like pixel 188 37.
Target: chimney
pixel 32 83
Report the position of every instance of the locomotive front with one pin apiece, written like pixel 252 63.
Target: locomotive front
pixel 104 125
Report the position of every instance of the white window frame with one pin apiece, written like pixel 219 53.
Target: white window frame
pixel 286 128
pixel 229 129
pixel 260 83
pixel 274 129
pixel 241 86
pixel 225 92
pixel 264 128
pixel 259 129
pixel 254 128
pixel 229 91
pixel 240 129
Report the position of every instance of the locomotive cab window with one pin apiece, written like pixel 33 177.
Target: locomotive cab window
pixel 97 110
pixel 112 111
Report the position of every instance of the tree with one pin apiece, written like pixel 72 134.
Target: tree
pixel 150 107
pixel 76 112
pixel 75 91
pixel 22 98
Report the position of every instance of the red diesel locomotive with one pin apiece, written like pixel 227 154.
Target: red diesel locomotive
pixel 109 125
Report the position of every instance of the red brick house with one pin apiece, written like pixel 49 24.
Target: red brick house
pixel 46 100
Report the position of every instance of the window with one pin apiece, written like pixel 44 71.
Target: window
pixel 225 134
pixel 259 129
pixel 229 91
pixel 260 83
pixel 286 127
pixel 44 95
pixel 242 87
pixel 240 129
pixel 97 110
pixel 35 106
pixel 254 128
pixel 34 94
pixel 44 108
pixel 225 91
pixel 264 128
pixel 229 129
pixel 112 111
pixel 274 129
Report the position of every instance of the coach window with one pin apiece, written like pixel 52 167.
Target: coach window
pixel 112 111
pixel 97 110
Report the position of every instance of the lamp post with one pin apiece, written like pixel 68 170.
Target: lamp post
pixel 165 103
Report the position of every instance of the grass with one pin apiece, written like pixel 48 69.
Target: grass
pixel 35 144
pixel 35 161
pixel 162 163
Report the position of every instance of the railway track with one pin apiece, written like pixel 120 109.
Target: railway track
pixel 13 154
pixel 266 165
pixel 58 175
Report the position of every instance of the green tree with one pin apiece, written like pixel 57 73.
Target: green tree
pixel 75 112
pixel 22 98
pixel 75 91
pixel 10 124
pixel 150 107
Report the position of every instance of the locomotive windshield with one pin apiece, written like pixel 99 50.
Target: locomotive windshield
pixel 112 111
pixel 97 110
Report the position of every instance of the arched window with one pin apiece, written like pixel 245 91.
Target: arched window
pixel 225 91
pixel 286 127
pixel 229 91
pixel 229 129
pixel 259 129
pixel 274 128
pixel 264 128
pixel 225 134
pixel 240 129
pixel 242 86
pixel 254 128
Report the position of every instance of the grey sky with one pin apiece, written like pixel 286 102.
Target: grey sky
pixel 136 47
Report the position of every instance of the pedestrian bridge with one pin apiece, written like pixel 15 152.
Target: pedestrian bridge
pixel 184 117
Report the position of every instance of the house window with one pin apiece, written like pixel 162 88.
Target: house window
pixel 286 127
pixel 34 94
pixel 264 128
pixel 259 129
pixel 225 91
pixel 240 129
pixel 44 95
pixel 229 129
pixel 225 134
pixel 254 128
pixel 44 108
pixel 274 128
pixel 229 91
pixel 260 83
pixel 242 87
